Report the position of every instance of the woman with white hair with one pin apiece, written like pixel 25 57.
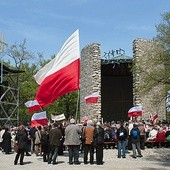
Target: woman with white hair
pixel 88 144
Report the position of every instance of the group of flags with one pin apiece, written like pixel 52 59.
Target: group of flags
pixel 137 111
pixel 60 76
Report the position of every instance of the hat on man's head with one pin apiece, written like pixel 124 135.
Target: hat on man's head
pixel 72 121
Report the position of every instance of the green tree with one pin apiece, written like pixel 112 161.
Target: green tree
pixel 156 63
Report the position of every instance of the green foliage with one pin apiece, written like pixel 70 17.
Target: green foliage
pixel 155 63
pixel 163 30
pixel 66 104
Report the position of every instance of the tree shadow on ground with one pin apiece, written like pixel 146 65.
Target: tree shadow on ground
pixel 159 157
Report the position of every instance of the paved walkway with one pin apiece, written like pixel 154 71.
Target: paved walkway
pixel 153 159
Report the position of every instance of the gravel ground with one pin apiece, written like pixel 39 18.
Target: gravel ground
pixel 153 159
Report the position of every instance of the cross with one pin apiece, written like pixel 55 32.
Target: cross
pixel 3 43
pixel 2 50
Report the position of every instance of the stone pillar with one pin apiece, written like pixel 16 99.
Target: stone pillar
pixel 90 80
pixel 145 52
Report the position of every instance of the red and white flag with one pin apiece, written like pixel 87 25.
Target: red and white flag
pixel 58 117
pixel 61 75
pixel 135 111
pixel 39 119
pixel 33 106
pixel 93 98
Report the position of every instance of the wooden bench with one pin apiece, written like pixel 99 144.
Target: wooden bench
pixel 108 144
pixel 151 143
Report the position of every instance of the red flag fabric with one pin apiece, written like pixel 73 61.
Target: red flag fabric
pixel 135 111
pixel 39 119
pixel 33 106
pixel 93 98
pixel 61 75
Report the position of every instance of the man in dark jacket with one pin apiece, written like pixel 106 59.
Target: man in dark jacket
pixel 99 143
pixel 22 140
pixel 122 135
pixel 55 137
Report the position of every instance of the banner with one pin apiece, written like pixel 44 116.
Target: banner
pixel 58 117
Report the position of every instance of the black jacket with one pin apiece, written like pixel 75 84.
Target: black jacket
pixel 99 135
pixel 22 139
pixel 122 134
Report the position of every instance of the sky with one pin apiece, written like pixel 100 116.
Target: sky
pixel 46 24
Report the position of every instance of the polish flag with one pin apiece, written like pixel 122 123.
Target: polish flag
pixel 135 111
pixel 33 106
pixel 39 119
pixel 61 75
pixel 58 117
pixel 93 98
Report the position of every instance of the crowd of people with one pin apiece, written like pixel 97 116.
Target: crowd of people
pixel 90 138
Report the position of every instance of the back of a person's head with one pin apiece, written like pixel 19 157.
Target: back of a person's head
pixel 39 127
pixel 98 123
pixel 89 123
pixel 72 121
pixel 135 125
pixel 21 127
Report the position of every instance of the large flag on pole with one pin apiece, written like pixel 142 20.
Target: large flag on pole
pixel 61 75
pixel 135 111
pixel 39 119
pixel 93 98
pixel 33 106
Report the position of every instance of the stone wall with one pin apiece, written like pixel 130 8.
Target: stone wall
pixel 145 51
pixel 90 80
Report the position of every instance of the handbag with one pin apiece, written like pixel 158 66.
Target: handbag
pixel 82 136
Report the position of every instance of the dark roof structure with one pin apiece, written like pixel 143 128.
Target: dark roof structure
pixel 7 70
pixel 117 59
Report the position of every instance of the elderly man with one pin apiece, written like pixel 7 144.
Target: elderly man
pixel 72 141
pixel 89 147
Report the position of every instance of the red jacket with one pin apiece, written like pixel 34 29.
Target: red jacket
pixel 161 136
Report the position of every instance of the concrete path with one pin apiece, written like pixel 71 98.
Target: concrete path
pixel 153 159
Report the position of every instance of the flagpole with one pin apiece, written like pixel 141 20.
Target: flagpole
pixel 77 104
